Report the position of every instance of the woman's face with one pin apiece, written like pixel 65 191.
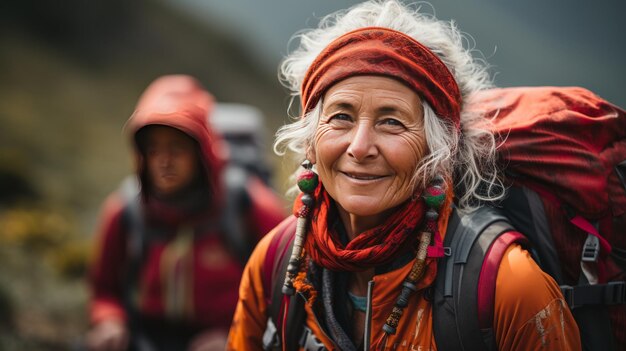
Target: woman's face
pixel 368 143
pixel 170 158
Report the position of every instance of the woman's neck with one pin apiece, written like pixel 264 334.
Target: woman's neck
pixel 355 224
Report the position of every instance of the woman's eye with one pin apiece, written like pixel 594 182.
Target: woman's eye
pixel 391 122
pixel 340 117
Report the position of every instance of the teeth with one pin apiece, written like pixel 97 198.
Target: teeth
pixel 362 177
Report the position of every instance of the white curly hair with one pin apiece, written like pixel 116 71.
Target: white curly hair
pixel 467 156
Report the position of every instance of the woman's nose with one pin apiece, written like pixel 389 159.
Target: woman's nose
pixel 362 145
pixel 165 158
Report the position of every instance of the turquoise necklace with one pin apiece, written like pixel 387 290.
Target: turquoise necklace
pixel 358 302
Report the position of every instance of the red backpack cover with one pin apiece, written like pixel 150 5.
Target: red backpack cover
pixel 569 146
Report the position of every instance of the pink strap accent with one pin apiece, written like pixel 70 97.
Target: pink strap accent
pixel 583 224
pixel 272 254
pixel 437 250
pixel 489 273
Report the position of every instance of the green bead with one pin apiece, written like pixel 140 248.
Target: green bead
pixel 307 181
pixel 434 196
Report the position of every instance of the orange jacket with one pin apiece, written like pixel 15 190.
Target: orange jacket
pixel 539 320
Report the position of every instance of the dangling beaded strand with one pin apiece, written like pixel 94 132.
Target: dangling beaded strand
pixel 307 183
pixel 434 197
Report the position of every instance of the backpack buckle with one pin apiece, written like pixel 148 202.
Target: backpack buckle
pixel 270 336
pixel 309 342
pixel 591 249
pixel 615 293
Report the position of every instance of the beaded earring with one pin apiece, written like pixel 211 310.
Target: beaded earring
pixel 434 196
pixel 307 183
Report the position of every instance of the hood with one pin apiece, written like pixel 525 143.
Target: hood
pixel 180 102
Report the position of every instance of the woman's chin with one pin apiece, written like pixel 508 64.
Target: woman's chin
pixel 364 206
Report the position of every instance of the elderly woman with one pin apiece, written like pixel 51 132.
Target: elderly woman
pixel 383 90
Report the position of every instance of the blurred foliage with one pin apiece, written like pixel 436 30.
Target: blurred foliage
pixel 70 259
pixel 49 234
pixel 35 230
pixel 43 260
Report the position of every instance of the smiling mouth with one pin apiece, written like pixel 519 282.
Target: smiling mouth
pixel 362 176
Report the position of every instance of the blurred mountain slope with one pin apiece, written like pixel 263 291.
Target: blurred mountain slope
pixel 71 73
pixel 69 83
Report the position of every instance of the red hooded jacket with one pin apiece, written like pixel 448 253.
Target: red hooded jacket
pixel 188 275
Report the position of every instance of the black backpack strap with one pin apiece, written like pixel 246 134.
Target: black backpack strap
pixel 236 205
pixel 456 322
pixel 135 228
pixel 139 236
pixel 525 210
pixel 138 239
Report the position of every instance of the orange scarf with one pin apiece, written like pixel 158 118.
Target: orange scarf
pixel 374 247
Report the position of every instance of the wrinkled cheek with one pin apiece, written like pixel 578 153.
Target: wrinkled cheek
pixel 324 176
pixel 416 144
pixel 419 150
pixel 406 167
pixel 327 150
pixel 400 191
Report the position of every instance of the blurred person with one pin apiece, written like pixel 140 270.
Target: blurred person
pixel 168 263
pixel 394 166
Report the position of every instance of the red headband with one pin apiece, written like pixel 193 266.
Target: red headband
pixel 385 52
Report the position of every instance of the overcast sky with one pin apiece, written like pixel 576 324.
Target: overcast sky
pixel 531 42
